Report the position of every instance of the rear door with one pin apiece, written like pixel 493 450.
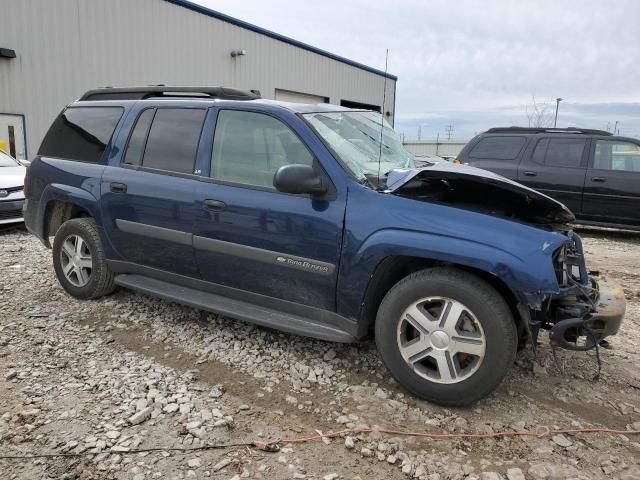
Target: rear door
pixel 612 185
pixel 557 168
pixel 251 237
pixel 148 198
pixel 498 153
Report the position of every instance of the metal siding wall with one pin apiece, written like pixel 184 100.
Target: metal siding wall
pixel 432 148
pixel 66 47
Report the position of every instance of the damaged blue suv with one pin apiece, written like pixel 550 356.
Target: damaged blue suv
pixel 314 220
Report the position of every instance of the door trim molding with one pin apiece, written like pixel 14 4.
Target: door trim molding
pixel 265 256
pixel 161 233
pixel 212 245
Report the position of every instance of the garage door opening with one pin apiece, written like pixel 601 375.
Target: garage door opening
pixel 298 97
pixel 360 105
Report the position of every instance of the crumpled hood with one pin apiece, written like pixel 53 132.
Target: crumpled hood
pixel 463 184
pixel 12 176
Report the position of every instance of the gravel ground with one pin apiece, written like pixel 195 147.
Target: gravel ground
pixel 129 372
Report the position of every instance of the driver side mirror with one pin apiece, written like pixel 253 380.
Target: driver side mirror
pixel 298 179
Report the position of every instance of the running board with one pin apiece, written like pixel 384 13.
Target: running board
pixel 239 309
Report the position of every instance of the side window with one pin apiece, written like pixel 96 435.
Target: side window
pixel 138 138
pixel 565 152
pixel 621 156
pixel 81 133
pixel 249 148
pixel 172 142
pixel 498 148
pixel 539 152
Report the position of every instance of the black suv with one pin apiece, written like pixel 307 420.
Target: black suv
pixel 596 174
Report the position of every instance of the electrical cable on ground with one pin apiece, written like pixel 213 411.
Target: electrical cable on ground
pixel 274 445
pixel 541 431
pixel 131 452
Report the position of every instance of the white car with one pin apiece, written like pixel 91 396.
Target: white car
pixel 11 189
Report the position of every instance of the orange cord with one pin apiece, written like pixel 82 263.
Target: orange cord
pixel 540 432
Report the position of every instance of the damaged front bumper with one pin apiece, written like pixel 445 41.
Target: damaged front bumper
pixel 610 309
pixel 603 319
pixel 588 307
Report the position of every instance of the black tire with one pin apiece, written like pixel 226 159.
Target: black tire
pixel 100 278
pixel 482 300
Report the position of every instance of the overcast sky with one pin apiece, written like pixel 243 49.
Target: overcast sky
pixel 477 64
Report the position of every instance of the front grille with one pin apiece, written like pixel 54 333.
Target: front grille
pixel 9 214
pixel 13 189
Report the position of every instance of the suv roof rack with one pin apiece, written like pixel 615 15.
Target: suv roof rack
pixel 154 91
pixel 587 131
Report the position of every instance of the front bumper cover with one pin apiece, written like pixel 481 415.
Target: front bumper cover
pixel 11 211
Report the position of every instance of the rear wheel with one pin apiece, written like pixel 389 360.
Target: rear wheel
pixel 79 261
pixel 446 335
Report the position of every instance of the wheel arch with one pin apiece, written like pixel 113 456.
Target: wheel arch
pixel 62 203
pixel 393 269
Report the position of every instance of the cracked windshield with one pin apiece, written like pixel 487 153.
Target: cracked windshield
pixel 355 138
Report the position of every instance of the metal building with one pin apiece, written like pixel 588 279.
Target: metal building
pixel 53 51
pixel 446 148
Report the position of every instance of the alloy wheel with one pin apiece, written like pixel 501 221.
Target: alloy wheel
pixel 441 340
pixel 76 260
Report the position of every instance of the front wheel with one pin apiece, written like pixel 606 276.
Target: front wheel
pixel 446 335
pixel 79 260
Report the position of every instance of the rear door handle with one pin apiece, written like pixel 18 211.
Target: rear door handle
pixel 598 179
pixel 118 187
pixel 530 174
pixel 215 205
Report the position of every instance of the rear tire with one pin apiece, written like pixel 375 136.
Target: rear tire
pixel 79 260
pixel 446 335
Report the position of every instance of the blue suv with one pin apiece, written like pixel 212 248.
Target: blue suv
pixel 314 220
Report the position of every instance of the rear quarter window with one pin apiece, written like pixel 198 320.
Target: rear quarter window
pixel 81 133
pixel 498 148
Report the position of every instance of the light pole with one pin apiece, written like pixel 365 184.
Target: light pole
pixel 420 130
pixel 555 120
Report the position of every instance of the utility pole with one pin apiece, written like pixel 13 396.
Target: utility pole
pixel 555 120
pixel 420 132
pixel 449 131
pixel 615 128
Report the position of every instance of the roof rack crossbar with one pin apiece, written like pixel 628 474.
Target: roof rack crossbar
pixel 154 91
pixel 586 131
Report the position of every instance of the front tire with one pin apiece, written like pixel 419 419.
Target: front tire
pixel 446 335
pixel 79 260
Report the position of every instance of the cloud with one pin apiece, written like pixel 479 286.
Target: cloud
pixel 477 64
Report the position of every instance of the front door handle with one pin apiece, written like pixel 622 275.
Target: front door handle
pixel 215 205
pixel 530 174
pixel 118 187
pixel 598 179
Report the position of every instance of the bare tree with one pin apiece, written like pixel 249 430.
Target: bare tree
pixel 539 115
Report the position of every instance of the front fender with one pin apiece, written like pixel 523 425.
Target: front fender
pixel 527 268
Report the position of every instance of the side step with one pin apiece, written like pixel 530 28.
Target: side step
pixel 249 312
